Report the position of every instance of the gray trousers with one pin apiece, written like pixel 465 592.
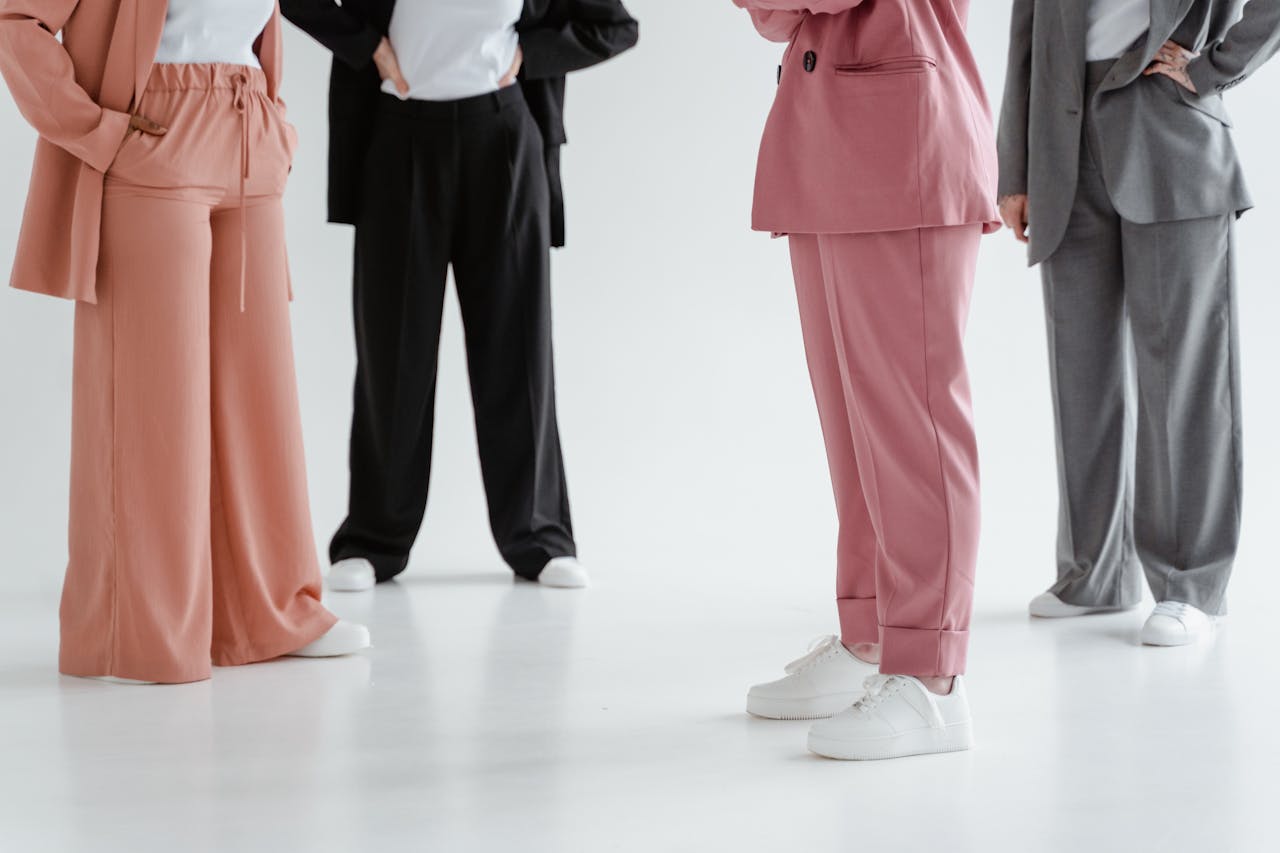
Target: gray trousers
pixel 1143 354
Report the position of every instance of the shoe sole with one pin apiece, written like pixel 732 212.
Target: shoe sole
pixel 1083 611
pixel 800 709
pixel 330 654
pixel 1215 622
pixel 350 585
pixel 957 737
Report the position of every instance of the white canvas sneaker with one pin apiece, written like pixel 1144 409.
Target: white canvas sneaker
pixel 897 717
pixel 353 575
pixel 1047 605
pixel 825 681
pixel 1174 623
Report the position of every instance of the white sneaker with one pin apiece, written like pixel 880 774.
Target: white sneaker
pixel 353 575
pixel 897 717
pixel 1173 623
pixel 564 573
pixel 1047 605
pixel 111 679
pixel 344 638
pixel 825 681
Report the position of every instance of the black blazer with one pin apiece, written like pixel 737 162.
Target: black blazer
pixel 557 36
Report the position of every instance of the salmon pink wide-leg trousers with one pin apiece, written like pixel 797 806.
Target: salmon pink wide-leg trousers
pixel 190 538
pixel 883 316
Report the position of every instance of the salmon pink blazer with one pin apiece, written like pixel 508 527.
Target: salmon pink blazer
pixel 880 122
pixel 78 95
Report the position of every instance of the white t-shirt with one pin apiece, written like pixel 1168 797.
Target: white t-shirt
pixel 1114 25
pixel 451 49
pixel 214 31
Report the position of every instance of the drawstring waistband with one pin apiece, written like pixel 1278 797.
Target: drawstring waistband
pixel 244 84
pixel 240 83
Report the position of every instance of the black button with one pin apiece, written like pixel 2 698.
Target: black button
pixel 810 61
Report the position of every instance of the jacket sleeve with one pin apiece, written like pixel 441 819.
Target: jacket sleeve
pixel 351 38
pixel 777 25
pixel 778 20
pixel 43 82
pixel 595 30
pixel 1251 42
pixel 1016 110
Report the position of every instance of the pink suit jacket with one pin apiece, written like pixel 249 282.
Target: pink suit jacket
pixel 78 95
pixel 880 122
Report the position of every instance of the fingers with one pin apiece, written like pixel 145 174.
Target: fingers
pixel 147 126
pixel 1013 211
pixel 1020 231
pixel 389 67
pixel 393 73
pixel 514 72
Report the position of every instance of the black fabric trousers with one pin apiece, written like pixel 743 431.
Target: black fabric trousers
pixel 458 183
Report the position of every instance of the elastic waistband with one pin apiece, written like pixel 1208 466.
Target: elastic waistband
pixel 180 77
pixel 451 110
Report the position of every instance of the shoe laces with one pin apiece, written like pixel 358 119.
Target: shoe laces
pixel 879 687
pixel 1173 609
pixel 820 649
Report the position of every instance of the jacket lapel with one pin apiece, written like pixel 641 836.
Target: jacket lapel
pixel 1073 36
pixel 117 89
pixel 150 26
pixel 1165 16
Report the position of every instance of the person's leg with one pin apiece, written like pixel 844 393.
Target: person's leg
pixel 857 550
pixel 502 268
pixel 266 574
pixel 401 267
pixel 899 303
pixel 1181 300
pixel 1089 368
pixel 136 600
pixel 829 678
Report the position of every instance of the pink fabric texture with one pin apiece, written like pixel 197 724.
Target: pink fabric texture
pixel 880 123
pixel 78 93
pixel 883 316
pixel 190 538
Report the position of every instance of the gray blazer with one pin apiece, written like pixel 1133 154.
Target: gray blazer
pixel 1165 153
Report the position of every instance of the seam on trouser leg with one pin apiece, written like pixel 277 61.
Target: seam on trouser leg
pixel 933 423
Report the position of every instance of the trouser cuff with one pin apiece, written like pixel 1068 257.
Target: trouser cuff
pixel 923 652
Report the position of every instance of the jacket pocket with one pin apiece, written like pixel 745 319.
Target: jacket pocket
pixel 888 66
pixel 1211 105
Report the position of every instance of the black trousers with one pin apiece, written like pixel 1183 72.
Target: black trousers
pixel 458 183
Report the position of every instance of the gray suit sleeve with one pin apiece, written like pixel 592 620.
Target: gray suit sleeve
pixel 1015 112
pixel 1246 46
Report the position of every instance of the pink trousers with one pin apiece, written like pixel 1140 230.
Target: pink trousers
pixel 883 316
pixel 191 538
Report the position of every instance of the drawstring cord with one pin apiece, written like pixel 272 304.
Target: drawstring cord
pixel 240 84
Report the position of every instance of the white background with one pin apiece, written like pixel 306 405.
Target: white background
pixel 612 721
pixel 689 429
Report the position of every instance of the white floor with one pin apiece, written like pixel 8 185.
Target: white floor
pixel 494 715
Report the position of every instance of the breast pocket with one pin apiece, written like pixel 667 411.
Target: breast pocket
pixel 889 67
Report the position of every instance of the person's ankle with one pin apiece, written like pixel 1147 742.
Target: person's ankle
pixel 941 686
pixel 865 652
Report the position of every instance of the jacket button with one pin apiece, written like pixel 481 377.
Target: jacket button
pixel 810 61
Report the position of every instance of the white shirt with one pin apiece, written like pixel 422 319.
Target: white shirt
pixel 214 31
pixel 1114 25
pixel 451 49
